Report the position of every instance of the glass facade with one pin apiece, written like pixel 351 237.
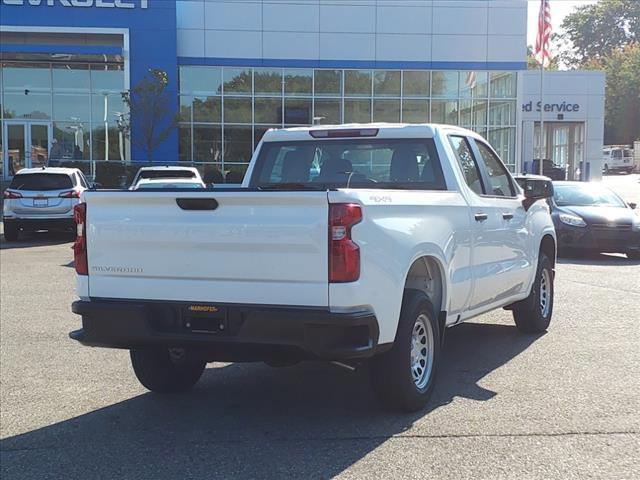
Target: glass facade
pixel 76 106
pixel 224 111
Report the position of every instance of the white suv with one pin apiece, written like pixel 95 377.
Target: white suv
pixel 42 199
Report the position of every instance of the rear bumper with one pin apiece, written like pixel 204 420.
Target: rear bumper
pixel 228 332
pixel 63 223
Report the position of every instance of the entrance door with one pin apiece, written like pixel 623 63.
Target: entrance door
pixel 26 145
pixel 564 146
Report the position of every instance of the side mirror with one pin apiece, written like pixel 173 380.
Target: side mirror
pixel 536 188
pixel 633 205
pixel 95 185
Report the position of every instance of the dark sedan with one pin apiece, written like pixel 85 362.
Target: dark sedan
pixel 591 217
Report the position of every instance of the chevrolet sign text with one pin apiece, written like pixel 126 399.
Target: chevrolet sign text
pixel 81 3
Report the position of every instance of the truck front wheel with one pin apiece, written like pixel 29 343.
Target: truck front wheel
pixel 166 370
pixel 533 314
pixel 403 378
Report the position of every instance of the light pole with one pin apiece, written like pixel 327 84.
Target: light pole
pixel 106 127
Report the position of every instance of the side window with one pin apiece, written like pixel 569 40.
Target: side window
pixel 467 163
pixel 83 181
pixel 500 183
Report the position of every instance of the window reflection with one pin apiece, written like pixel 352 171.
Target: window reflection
pixel 386 111
pixel 200 80
pixel 256 99
pixel 238 143
pixel 107 78
pixel 503 85
pixel 298 82
pixel 357 111
pixel 238 80
pixel 416 84
pixel 268 110
pixel 444 111
pixel 207 109
pixel 328 82
pixel 207 143
pixel 26 77
pixel 33 106
pixel 71 107
pixel 71 77
pixel 327 111
pixel 415 111
pixel 386 84
pixel 267 81
pixel 357 83
pixel 444 84
pixel 473 84
pixel 297 111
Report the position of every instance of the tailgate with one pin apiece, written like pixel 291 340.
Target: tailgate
pixel 253 248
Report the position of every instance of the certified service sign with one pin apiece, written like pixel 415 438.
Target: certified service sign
pixel 82 3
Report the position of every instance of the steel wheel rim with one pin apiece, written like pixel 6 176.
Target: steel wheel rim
pixel 545 293
pixel 421 351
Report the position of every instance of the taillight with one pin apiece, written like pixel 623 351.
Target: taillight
pixel 70 194
pixel 80 245
pixel 11 195
pixel 344 253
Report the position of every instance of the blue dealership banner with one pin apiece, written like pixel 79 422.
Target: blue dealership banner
pixel 149 24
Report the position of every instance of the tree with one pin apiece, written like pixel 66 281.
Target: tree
pixel 593 32
pixel 622 106
pixel 153 109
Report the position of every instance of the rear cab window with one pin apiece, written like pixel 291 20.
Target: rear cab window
pixel 409 164
pixel 41 182
pixel 167 174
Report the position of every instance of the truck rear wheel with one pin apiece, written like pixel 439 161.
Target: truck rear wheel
pixel 533 314
pixel 403 378
pixel 166 370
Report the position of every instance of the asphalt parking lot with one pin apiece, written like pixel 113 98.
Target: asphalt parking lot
pixel 561 405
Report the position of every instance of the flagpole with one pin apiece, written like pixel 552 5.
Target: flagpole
pixel 541 152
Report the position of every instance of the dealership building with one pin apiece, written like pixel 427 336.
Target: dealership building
pixel 237 68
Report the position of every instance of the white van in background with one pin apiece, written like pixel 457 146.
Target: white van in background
pixel 617 159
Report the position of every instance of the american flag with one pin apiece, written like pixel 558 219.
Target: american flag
pixel 544 33
pixel 470 80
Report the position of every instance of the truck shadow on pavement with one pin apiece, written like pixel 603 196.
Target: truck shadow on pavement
pixel 37 239
pixel 250 421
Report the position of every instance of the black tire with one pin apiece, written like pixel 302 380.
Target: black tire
pixel 162 370
pixel 11 231
pixel 391 372
pixel 606 169
pixel 529 314
pixel 633 255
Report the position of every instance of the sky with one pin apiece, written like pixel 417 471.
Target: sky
pixel 559 9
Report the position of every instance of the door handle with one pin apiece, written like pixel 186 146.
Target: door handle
pixel 197 203
pixel 481 217
pixel 507 216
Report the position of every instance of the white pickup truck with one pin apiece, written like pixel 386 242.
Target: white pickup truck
pixel 345 243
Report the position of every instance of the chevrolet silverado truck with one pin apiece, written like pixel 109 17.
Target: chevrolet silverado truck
pixel 351 244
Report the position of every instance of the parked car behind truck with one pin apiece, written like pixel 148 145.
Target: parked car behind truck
pixel 42 199
pixel 348 243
